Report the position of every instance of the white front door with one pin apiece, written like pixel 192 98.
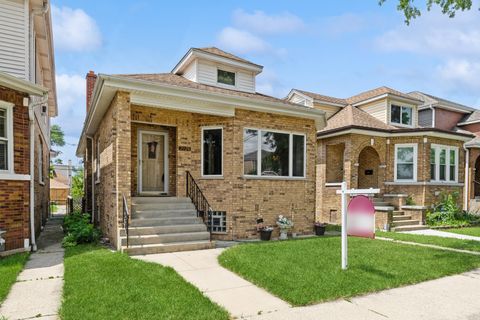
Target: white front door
pixel 152 162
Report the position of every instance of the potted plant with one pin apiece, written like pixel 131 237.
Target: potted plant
pixel 265 233
pixel 319 228
pixel 284 224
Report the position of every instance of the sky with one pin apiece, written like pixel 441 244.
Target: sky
pixel 338 48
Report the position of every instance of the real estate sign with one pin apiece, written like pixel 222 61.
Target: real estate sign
pixel 361 217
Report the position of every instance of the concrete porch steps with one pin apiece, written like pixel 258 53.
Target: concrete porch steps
pixel 409 228
pixel 164 224
pixel 401 221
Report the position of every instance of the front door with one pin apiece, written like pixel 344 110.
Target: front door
pixel 153 163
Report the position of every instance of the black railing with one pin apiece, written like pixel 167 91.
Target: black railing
pixel 201 204
pixel 126 216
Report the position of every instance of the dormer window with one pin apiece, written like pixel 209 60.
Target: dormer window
pixel 401 115
pixel 226 77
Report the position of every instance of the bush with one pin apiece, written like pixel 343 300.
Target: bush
pixel 78 229
pixel 448 213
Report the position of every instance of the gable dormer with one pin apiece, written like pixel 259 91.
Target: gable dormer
pixel 214 67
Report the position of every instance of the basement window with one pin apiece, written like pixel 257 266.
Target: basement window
pixel 226 77
pixel 218 222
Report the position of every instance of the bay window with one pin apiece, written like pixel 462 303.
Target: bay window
pixel 273 154
pixel 401 115
pixel 212 151
pixel 443 163
pixel 406 162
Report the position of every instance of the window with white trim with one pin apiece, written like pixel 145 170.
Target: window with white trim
pixel 226 77
pixel 97 160
pixel 40 161
pixel 212 151
pixel 6 137
pixel 443 163
pixel 273 153
pixel 406 162
pixel 401 115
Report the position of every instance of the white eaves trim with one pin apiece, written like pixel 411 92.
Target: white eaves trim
pixel 468 122
pixel 21 85
pixel 388 95
pixel 399 134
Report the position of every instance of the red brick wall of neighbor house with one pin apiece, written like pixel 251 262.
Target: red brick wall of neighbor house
pixel 446 119
pixel 474 128
pixel 91 78
pixel 14 195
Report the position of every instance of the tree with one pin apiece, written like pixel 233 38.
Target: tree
pixel 57 136
pixel 448 7
pixel 77 184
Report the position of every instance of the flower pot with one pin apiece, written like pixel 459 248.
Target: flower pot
pixel 283 235
pixel 319 230
pixel 265 235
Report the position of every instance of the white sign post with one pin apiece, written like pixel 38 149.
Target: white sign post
pixel 344 192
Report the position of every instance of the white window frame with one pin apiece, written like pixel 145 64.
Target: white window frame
pixel 290 155
pixel 201 153
pixel 8 107
pixel 400 124
pixel 226 85
pixel 415 161
pixel 41 179
pixel 438 148
pixel 97 160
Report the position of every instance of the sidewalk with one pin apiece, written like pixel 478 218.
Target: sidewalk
pixel 443 234
pixel 38 290
pixel 201 268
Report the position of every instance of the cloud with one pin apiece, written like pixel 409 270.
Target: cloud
pixel 269 83
pixel 74 30
pixel 241 41
pixel 261 23
pixel 461 74
pixel 435 34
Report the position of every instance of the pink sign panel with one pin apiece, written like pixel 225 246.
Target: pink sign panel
pixel 361 217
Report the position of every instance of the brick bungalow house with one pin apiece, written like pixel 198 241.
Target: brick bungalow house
pixel 196 141
pixel 27 101
pixel 374 140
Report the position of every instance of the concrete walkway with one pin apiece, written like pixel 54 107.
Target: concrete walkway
pixel 38 290
pixel 443 234
pixel 449 298
pixel 201 268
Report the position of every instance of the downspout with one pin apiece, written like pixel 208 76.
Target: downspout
pixel 467 176
pixel 433 115
pixel 93 179
pixel 31 117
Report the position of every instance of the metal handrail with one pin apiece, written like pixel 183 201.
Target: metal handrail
pixel 204 210
pixel 126 216
pixel 475 181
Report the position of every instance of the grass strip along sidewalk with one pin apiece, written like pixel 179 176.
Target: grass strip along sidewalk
pixel 100 284
pixel 10 267
pixel 461 244
pixel 308 271
pixel 469 231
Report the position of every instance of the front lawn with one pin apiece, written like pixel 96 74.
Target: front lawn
pixel 461 244
pixel 10 267
pixel 308 271
pixel 473 231
pixel 100 284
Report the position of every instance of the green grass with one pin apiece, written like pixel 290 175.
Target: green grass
pixel 10 267
pixel 472 231
pixel 308 271
pixel 471 245
pixel 100 284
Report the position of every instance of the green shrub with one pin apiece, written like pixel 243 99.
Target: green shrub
pixel 78 229
pixel 447 212
pixel 409 201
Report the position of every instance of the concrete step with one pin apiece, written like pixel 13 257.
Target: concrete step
pixel 170 213
pixel 166 238
pixel 157 230
pixel 140 200
pixel 169 247
pixel 165 221
pixel 409 228
pixel 398 213
pixel 406 223
pixel 401 217
pixel 163 206
pixel 381 204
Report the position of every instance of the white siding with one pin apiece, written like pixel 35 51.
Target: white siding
pixel 329 110
pixel 191 71
pixel 207 74
pixel 377 109
pixel 14 38
pixel 296 98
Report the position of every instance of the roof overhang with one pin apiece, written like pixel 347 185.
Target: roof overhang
pixel 21 85
pixel 314 100
pixel 167 96
pixel 194 53
pixel 390 96
pixel 395 133
pixel 468 122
